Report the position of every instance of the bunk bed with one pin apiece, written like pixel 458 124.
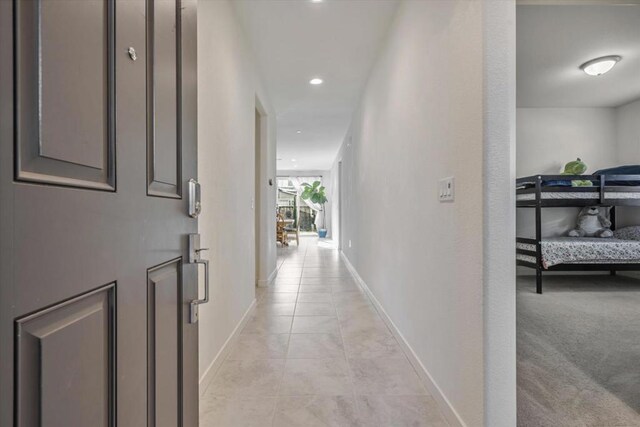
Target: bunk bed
pixel 577 254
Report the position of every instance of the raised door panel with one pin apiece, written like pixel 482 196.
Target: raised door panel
pixel 65 355
pixel 165 344
pixel 163 103
pixel 64 93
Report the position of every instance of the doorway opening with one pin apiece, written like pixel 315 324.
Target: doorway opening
pixel 299 215
pixel 578 221
pixel 260 195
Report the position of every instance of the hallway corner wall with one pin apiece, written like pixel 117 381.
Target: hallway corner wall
pixel 628 138
pixel 628 133
pixel 228 85
pixel 499 229
pixel 267 268
pixel 332 183
pixel 420 119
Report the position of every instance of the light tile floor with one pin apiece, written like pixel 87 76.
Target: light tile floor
pixel 316 353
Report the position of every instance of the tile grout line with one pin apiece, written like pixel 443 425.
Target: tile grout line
pixel 354 394
pixel 286 355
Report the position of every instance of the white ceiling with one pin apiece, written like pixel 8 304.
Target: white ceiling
pixel 297 40
pixel 553 41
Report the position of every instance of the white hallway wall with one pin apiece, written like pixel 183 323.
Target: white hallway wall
pixel 227 88
pixel 440 102
pixel 421 119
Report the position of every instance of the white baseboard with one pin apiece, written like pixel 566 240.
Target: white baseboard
pixel 445 406
pixel 328 243
pixel 211 371
pixel 270 279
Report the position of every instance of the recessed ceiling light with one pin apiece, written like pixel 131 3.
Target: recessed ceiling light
pixel 599 66
pixel 293 160
pixel 298 131
pixel 317 1
pixel 295 166
pixel 316 81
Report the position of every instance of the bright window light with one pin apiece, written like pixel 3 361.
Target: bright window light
pixel 599 66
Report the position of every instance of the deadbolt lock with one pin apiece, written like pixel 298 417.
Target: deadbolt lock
pixel 195 204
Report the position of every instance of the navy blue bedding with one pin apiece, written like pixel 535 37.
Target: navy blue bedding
pixel 556 183
pixel 621 170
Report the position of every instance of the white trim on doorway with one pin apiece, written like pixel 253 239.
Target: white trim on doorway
pixel 340 206
pixel 269 280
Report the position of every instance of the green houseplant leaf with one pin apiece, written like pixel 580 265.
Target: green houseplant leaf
pixel 316 193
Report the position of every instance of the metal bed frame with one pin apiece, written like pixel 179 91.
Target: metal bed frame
pixel 538 203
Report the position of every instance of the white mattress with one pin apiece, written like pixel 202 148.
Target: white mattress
pixel 584 250
pixel 573 195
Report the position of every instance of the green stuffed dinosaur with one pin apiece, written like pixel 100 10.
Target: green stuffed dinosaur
pixel 577 167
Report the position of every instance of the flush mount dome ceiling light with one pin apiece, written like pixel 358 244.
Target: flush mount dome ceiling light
pixel 315 81
pixel 599 66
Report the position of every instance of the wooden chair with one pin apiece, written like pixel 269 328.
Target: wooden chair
pixel 281 234
pixel 293 231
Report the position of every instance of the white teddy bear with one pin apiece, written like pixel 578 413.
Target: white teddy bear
pixel 592 222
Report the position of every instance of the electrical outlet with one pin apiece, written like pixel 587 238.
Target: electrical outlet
pixel 446 189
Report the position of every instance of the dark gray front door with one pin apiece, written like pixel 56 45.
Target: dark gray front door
pixel 97 143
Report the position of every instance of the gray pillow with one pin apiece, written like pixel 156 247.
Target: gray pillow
pixel 628 233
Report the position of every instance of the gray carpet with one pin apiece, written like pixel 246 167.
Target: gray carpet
pixel 579 351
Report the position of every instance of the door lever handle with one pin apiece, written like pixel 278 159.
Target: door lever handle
pixel 194 304
pixel 194 258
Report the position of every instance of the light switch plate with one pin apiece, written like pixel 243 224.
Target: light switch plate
pixel 446 189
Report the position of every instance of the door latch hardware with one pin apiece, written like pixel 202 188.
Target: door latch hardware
pixel 195 258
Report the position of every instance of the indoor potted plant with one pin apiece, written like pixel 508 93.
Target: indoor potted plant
pixel 316 194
